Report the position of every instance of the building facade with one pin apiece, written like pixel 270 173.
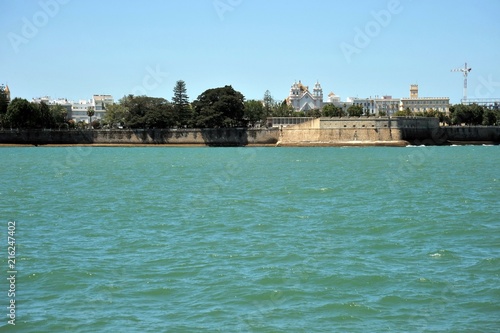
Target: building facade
pixel 99 103
pixel 424 104
pixel 386 105
pixel 302 100
pixel 77 111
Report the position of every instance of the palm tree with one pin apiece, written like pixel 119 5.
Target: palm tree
pixel 90 113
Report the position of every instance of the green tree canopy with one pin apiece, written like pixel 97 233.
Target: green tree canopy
pixel 254 112
pixel 115 115
pixel 147 112
pixel 491 117
pixel 23 114
pixel 59 113
pixel 403 113
pixel 46 119
pixel 331 110
pixel 467 114
pixel 219 107
pixel 355 111
pixel 282 110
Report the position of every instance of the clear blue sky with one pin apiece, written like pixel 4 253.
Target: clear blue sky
pixel 76 48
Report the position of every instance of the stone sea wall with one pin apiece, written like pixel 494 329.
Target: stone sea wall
pixel 358 131
pixel 318 132
pixel 460 134
pixel 216 137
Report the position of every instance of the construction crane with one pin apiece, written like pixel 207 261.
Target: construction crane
pixel 466 71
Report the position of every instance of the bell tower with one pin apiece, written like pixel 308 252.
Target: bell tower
pixel 318 91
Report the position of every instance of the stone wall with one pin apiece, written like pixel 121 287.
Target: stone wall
pixel 319 132
pixel 489 134
pixel 357 131
pixel 395 131
pixel 216 137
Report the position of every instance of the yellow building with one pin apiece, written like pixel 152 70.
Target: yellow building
pixel 423 104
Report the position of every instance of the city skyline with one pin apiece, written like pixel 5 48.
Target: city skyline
pixel 73 49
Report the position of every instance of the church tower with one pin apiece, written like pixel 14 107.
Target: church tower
pixel 318 95
pixel 318 91
pixel 294 97
pixel 295 91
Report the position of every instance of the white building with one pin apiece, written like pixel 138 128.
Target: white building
pixel 60 101
pixel 100 102
pixel 78 110
pixel 301 99
pixel 366 103
pixel 334 99
pixel 386 105
pixel 423 104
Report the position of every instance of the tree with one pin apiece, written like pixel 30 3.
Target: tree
pixel 161 114
pixel 467 114
pixel 136 106
pixel 22 114
pixel 403 113
pixel 316 113
pixel 330 110
pixel 282 110
pixel 219 107
pixel 182 108
pixel 269 102
pixel 367 112
pixel 490 117
pixel 115 115
pixel 90 113
pixel 59 113
pixel 46 117
pixel 476 112
pixel 96 124
pixel 355 111
pixel 147 112
pixel 254 112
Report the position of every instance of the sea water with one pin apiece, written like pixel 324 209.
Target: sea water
pixel 159 239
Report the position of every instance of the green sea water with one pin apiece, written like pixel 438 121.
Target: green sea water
pixel 252 239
